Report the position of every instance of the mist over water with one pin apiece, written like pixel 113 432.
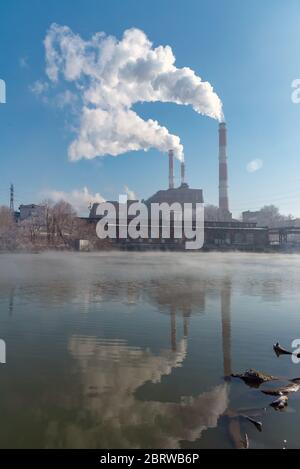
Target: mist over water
pixel 126 350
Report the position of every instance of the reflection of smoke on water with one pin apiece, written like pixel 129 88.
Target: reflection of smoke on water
pixel 110 406
pixel 111 374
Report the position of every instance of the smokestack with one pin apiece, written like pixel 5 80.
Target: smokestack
pixel 223 174
pixel 171 169
pixel 182 172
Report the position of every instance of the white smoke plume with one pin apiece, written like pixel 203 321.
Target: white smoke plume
pixel 80 199
pixel 111 77
pixel 131 195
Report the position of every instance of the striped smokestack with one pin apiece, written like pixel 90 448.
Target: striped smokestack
pixel 223 174
pixel 171 169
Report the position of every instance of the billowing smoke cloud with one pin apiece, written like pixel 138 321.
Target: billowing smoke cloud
pixel 131 195
pixel 80 199
pixel 111 77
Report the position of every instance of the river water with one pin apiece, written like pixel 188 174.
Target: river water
pixel 132 350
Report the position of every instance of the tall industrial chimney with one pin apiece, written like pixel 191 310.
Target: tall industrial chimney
pixel 171 169
pixel 182 172
pixel 223 173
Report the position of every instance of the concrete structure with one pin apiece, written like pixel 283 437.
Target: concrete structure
pixel 224 234
pixel 235 235
pixel 83 245
pixel 225 214
pixel 221 236
pixel 182 195
pixel 250 217
pixel 171 169
pixel 31 210
pixel 182 172
pixel 285 236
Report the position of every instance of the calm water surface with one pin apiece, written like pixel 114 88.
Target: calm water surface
pixel 122 350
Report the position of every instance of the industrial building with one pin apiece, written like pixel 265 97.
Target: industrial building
pixel 31 211
pixel 182 194
pixel 223 234
pixel 250 216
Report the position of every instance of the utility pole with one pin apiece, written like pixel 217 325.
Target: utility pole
pixel 12 192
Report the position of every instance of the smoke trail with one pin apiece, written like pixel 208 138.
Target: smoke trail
pixel 111 77
pixel 80 199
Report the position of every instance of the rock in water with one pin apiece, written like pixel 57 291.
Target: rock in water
pixel 295 380
pixel 284 391
pixel 280 403
pixel 254 378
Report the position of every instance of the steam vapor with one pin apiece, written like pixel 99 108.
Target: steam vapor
pixel 131 195
pixel 80 199
pixel 111 76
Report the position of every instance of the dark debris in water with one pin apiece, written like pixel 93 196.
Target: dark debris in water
pixel 283 391
pixel 280 403
pixel 279 350
pixel 255 379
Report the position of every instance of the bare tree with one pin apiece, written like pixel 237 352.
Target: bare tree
pixel 49 226
pixel 64 223
pixel 49 221
pixel 269 215
pixel 7 229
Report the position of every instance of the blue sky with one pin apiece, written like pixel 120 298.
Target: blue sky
pixel 249 52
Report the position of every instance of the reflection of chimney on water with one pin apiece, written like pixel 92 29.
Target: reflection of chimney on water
pixel 173 329
pixel 226 326
pixel 185 326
